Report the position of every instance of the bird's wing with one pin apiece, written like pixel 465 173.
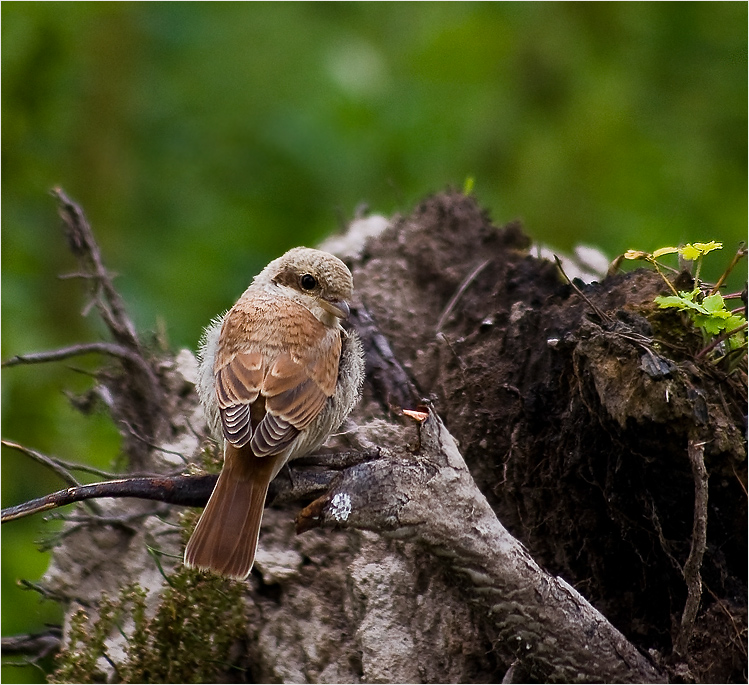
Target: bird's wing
pixel 238 386
pixel 280 383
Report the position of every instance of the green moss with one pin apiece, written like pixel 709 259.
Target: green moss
pixel 77 662
pixel 198 619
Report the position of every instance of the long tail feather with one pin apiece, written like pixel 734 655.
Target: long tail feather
pixel 225 539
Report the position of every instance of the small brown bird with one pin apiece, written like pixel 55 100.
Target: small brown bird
pixel 277 375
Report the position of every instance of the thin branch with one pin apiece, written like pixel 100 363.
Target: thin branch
pixel 37 645
pixel 736 629
pixel 738 479
pixel 84 468
pixel 601 314
pixel 670 285
pixel 128 355
pixel 111 349
pixel 143 397
pixel 693 565
pixel 74 466
pixel 72 275
pixel 53 595
pixel 459 293
pixel 43 459
pixel 740 253
pixel 311 477
pixel 60 468
pixel 123 521
pixel 150 443
pixel 191 491
pixel 85 248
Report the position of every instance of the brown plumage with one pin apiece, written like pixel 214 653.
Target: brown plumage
pixel 278 374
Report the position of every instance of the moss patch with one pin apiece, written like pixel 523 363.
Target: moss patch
pixel 188 640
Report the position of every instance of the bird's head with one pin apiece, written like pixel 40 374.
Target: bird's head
pixel 316 279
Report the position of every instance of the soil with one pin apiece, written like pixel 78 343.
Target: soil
pixel 574 408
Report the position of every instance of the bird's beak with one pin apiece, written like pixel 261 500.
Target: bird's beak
pixel 339 309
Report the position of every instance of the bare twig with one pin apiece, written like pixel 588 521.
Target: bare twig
pixel 111 349
pixel 43 591
pixel 312 476
pixel 601 314
pixel 85 248
pixel 463 287
pixel 61 469
pixel 150 443
pixel 140 400
pixel 740 253
pixel 124 521
pixel 510 673
pixel 43 459
pixel 85 468
pixel 740 482
pixel 739 638
pixel 191 491
pixel 38 645
pixel 693 565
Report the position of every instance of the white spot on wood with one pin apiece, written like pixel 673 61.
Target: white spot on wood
pixel 340 506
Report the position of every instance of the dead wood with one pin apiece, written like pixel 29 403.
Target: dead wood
pixel 558 461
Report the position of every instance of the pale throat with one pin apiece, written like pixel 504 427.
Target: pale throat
pixel 325 317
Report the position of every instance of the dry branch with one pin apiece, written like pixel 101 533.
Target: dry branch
pixel 189 491
pixel 693 565
pixel 310 477
pixel 85 248
pixel 142 402
pixel 111 349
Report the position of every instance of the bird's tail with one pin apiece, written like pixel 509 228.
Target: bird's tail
pixel 225 539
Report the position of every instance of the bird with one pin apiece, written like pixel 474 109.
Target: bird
pixel 277 375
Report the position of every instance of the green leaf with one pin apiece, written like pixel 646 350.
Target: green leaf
pixel 733 322
pixel 714 303
pixel 710 324
pixel 682 302
pixel 689 252
pixel 670 301
pixel 704 248
pixel 665 250
pixel 737 339
pixel 693 251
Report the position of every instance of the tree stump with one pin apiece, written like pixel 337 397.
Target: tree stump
pixel 537 514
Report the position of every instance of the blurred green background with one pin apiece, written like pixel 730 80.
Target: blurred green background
pixel 204 139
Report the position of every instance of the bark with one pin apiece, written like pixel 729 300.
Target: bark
pixel 569 483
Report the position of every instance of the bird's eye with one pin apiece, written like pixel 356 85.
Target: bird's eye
pixel 308 282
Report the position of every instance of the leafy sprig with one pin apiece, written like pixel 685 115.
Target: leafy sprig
pixel 704 305
pixel 710 314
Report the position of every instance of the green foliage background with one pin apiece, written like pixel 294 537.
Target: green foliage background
pixel 204 139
